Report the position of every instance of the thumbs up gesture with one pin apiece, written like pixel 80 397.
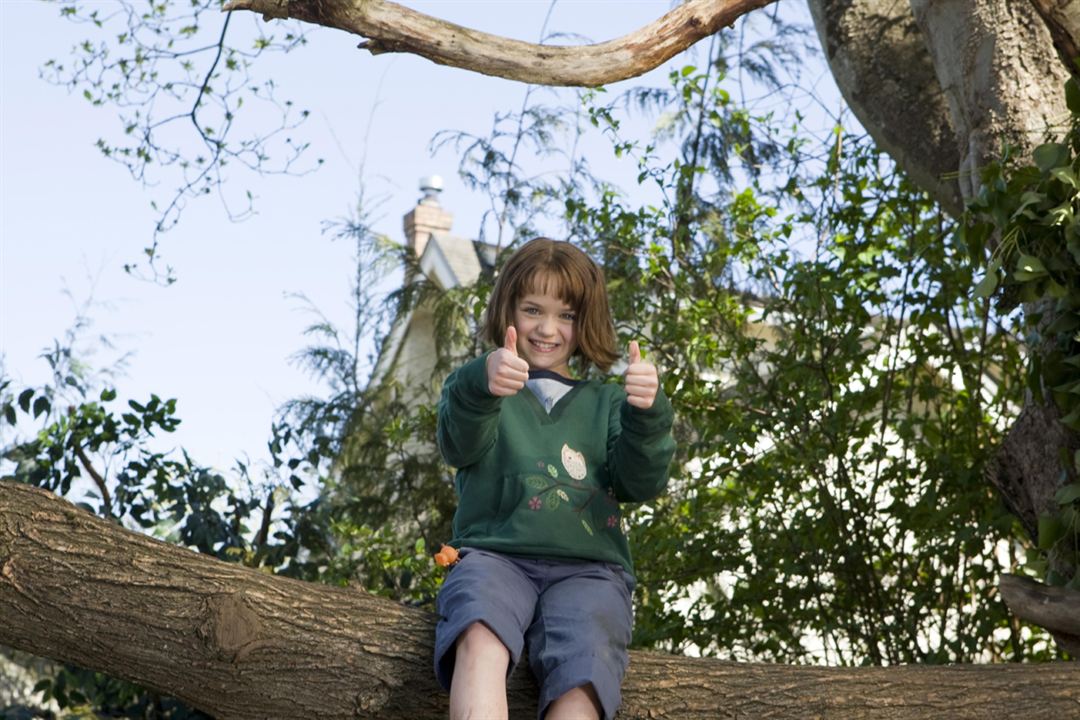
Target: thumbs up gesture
pixel 506 372
pixel 641 380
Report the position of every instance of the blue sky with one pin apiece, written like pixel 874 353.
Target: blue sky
pixel 220 339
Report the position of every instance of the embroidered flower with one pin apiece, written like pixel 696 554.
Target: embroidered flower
pixel 541 464
pixel 535 503
pixel 612 521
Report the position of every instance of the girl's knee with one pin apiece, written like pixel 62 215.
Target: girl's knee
pixel 478 642
pixel 578 703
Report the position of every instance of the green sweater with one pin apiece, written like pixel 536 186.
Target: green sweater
pixel 549 485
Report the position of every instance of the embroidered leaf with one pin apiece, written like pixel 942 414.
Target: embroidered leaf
pixel 563 495
pixel 553 471
pixel 585 525
pixel 536 482
pixel 551 501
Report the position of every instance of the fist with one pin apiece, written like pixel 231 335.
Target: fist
pixel 506 372
pixel 641 380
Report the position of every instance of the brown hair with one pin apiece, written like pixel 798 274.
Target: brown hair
pixel 542 265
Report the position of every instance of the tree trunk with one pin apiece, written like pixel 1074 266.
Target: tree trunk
pixel 390 27
pixel 238 643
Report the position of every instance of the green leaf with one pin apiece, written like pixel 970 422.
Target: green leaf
pixel 1068 494
pixel 1030 264
pixel 987 285
pixel 108 394
pixel 24 399
pixel 536 482
pixel 1051 530
pixel 1064 323
pixel 1057 290
pixel 1050 155
pixel 9 414
pixel 1065 175
pixel 585 524
pixel 1072 95
pixel 1072 420
pixel 41 405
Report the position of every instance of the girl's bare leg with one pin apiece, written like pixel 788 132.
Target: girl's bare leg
pixel 478 688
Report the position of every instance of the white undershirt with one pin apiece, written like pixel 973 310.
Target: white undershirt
pixel 549 387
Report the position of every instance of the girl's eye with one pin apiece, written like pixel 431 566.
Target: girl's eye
pixel 569 317
pixel 531 311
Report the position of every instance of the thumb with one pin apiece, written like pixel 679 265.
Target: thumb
pixel 510 342
pixel 635 352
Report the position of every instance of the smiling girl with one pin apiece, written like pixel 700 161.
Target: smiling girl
pixel 543 461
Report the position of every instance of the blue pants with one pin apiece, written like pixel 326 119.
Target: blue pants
pixel 573 617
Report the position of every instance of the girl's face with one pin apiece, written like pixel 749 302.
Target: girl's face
pixel 545 330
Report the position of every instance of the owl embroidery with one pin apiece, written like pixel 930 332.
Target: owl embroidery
pixel 574 462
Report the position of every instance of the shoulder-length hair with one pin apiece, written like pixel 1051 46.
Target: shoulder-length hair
pixel 548 266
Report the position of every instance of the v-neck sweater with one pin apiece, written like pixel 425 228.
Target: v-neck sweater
pixel 549 484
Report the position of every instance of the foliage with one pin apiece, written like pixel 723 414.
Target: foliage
pixel 1029 211
pixel 177 72
pixel 829 504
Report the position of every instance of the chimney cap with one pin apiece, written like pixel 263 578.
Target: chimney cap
pixel 431 186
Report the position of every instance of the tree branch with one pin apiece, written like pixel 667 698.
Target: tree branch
pixel 1055 608
pixel 390 27
pixel 1062 18
pixel 238 643
pixel 96 477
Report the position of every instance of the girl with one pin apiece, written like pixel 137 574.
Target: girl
pixel 543 462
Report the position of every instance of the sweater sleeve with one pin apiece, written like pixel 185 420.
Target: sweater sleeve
pixel 468 415
pixel 640 447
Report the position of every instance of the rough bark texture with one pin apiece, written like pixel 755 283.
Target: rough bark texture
pixel 1003 80
pixel 1062 18
pixel 238 643
pixel 1054 608
pixel 879 60
pixel 390 27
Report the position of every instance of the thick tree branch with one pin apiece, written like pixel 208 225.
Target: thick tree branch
pixel 1062 18
pixel 238 643
pixel 1055 608
pixel 879 60
pixel 390 27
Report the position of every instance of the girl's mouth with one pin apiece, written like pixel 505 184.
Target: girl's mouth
pixel 543 346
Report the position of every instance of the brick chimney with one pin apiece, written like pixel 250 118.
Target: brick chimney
pixel 428 217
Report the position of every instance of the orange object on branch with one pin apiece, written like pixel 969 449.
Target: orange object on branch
pixel 446 556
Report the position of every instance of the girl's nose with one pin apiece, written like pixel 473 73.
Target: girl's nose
pixel 547 326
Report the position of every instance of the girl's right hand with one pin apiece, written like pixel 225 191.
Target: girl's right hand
pixel 506 372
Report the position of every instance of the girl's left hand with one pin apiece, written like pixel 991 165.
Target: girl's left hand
pixel 641 380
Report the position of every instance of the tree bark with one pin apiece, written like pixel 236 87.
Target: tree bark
pixel 878 58
pixel 1055 608
pixel 390 27
pixel 239 643
pixel 1062 18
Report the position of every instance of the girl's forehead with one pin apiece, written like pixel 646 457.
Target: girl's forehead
pixel 548 285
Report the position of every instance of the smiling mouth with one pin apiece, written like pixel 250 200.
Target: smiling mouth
pixel 543 346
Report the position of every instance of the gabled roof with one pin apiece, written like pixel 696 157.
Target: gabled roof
pixel 449 261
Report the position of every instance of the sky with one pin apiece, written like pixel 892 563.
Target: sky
pixel 220 338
